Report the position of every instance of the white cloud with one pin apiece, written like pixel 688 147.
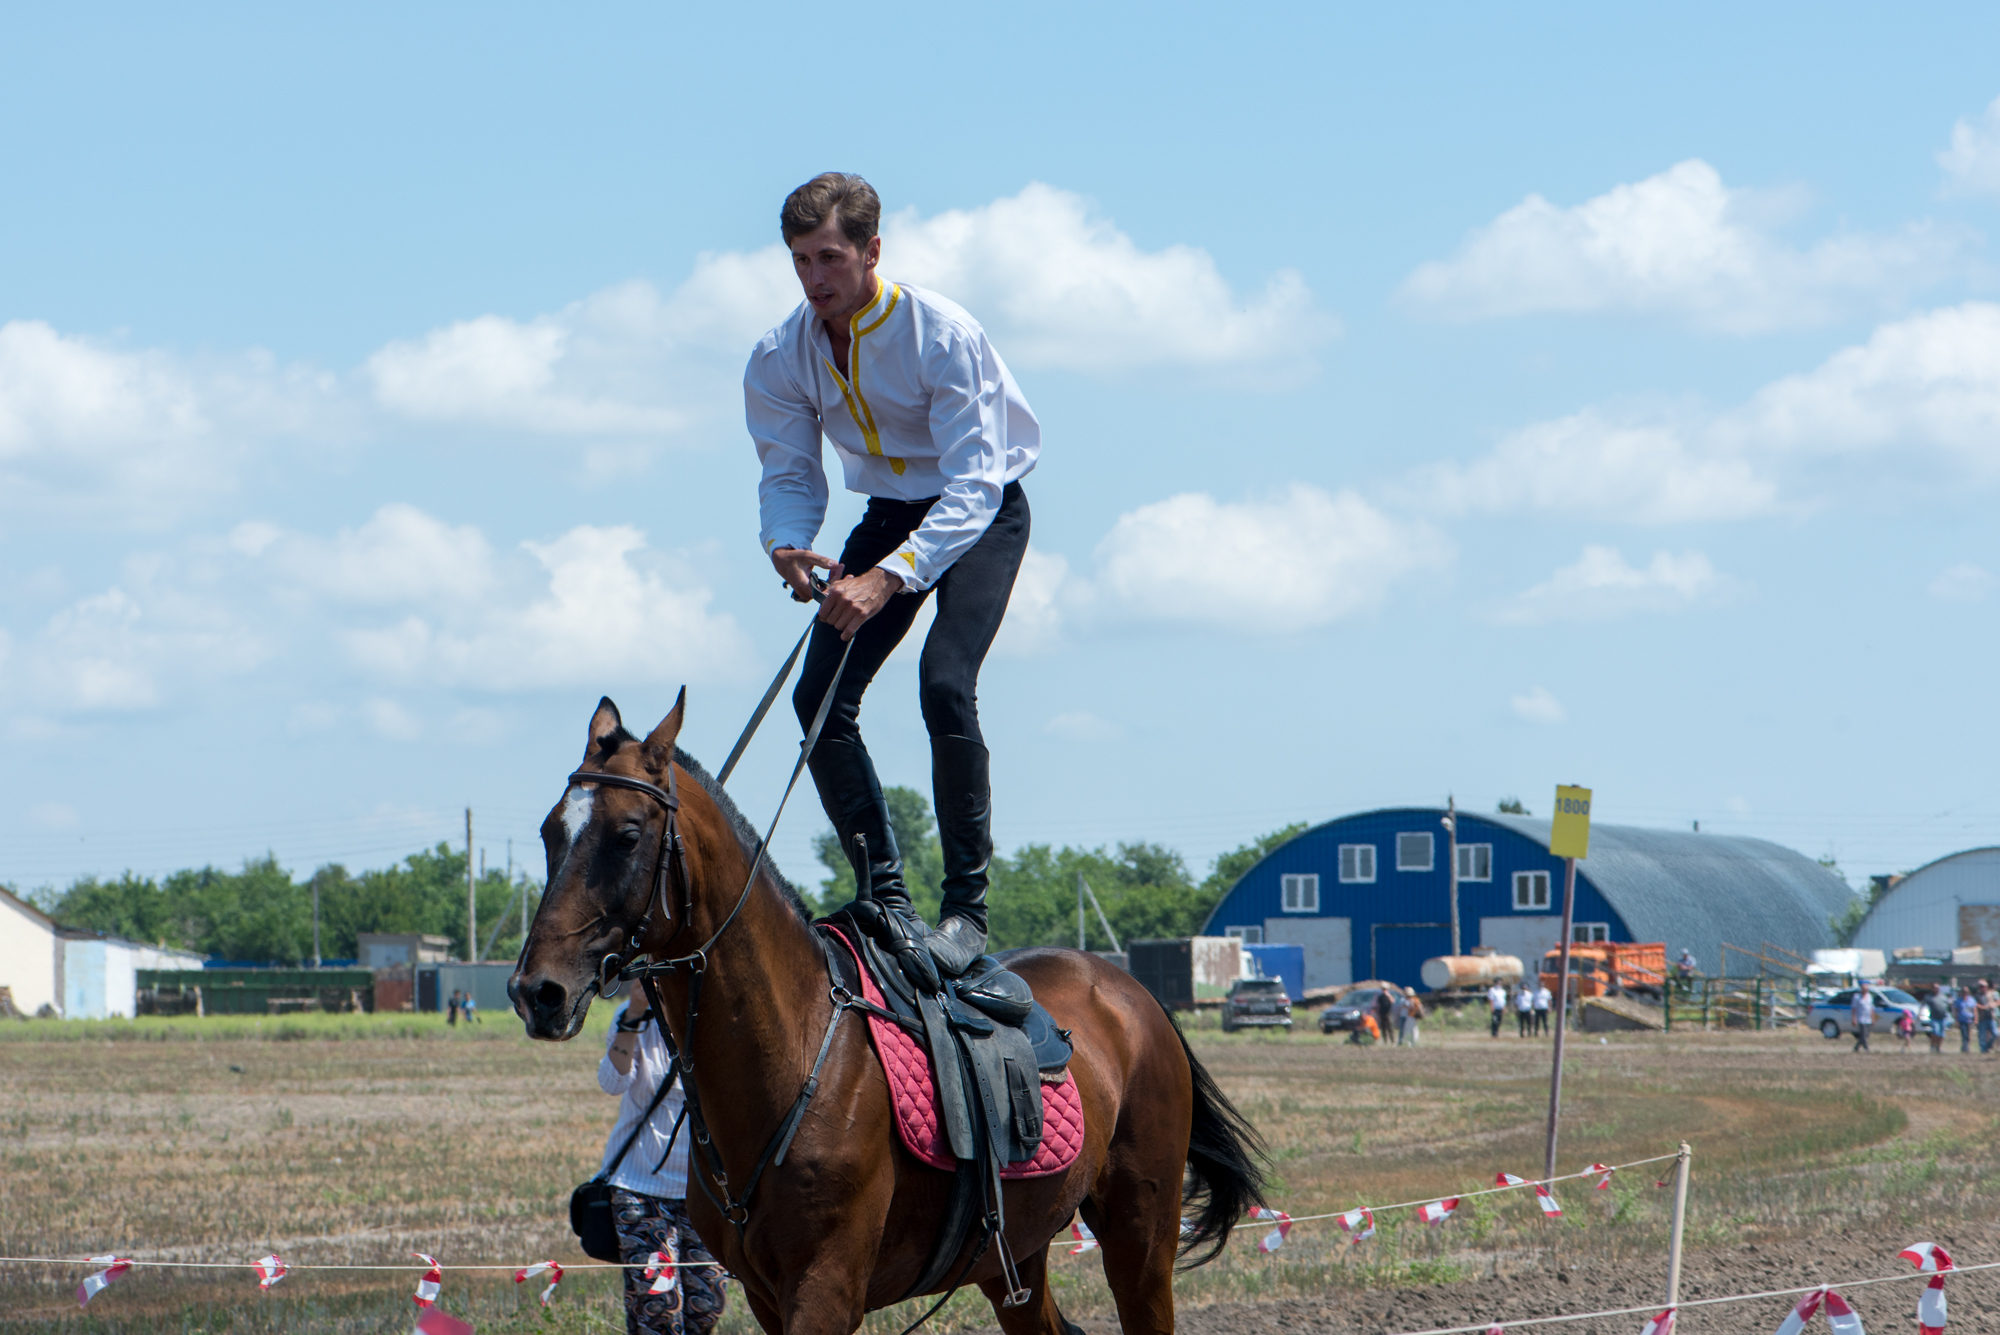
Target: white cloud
pixel 139 437
pixel 1919 402
pixel 1962 583
pixel 1054 285
pixel 122 649
pixel 1601 585
pixel 601 613
pixel 1654 472
pixel 1296 560
pixel 401 555
pixel 1058 286
pixel 1538 706
pixel 1972 163
pixel 1680 243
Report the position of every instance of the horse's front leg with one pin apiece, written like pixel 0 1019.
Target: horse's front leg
pixel 827 1294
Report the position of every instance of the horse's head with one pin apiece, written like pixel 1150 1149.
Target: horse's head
pixel 602 845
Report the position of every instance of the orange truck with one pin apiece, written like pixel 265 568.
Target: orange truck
pixel 1610 967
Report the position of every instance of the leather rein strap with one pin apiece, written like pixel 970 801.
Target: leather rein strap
pixel 672 852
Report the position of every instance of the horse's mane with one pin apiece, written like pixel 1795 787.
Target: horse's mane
pixel 746 833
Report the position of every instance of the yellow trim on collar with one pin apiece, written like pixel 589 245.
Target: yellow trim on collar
pixel 850 384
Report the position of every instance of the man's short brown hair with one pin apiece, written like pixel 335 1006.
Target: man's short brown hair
pixel 843 194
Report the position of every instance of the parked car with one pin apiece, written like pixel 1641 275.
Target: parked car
pixel 1258 1003
pixel 1833 1016
pixel 1347 1013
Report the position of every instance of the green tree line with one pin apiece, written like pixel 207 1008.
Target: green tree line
pixel 262 913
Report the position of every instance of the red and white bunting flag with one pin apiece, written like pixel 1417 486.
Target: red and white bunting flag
pixel 1360 1222
pixel 269 1270
pixel 433 1280
pixel 1437 1211
pixel 554 1272
pixel 1494 1329
pixel 663 1268
pixel 1840 1318
pixel 1802 1312
pixel 1085 1239
pixel 1604 1171
pixel 1930 1308
pixel 1509 1180
pixel 114 1268
pixel 1275 1239
pixel 1547 1200
pixel 1663 1324
pixel 1926 1256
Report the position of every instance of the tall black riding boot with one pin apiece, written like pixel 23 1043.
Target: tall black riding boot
pixel 852 796
pixel 964 796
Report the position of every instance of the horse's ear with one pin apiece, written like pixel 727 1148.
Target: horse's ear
pixel 605 728
pixel 659 748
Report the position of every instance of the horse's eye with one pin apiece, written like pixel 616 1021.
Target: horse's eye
pixel 629 836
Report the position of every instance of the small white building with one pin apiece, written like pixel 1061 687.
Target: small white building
pixel 1950 904
pixel 30 962
pixel 79 975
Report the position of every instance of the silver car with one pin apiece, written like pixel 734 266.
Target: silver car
pixel 1834 1016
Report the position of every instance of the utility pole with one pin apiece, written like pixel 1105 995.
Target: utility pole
pixel 315 885
pixel 1079 912
pixel 1451 836
pixel 471 902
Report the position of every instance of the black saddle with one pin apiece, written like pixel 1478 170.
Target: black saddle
pixel 989 1042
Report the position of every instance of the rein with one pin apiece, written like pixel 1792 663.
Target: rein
pixel 671 860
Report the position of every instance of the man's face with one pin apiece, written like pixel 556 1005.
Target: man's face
pixel 837 275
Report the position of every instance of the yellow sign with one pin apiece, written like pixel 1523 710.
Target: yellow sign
pixel 1569 836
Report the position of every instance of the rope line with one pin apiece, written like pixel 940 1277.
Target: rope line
pixel 1484 1326
pixel 1491 1191
pixel 304 1265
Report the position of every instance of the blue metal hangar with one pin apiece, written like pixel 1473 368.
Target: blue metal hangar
pixel 1369 895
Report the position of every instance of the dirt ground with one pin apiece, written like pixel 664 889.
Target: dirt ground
pixel 355 1143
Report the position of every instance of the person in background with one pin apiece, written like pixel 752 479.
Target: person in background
pixel 1542 1000
pixel 1684 967
pixel 1906 1027
pixel 1384 1004
pixel 1415 1013
pixel 1982 1004
pixel 649 1185
pixel 1861 1015
pixel 1399 1016
pixel 468 1007
pixel 1965 1008
pixel 1937 1013
pixel 1496 997
pixel 1524 1008
pixel 451 1016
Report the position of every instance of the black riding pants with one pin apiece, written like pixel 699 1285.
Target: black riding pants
pixel 972 598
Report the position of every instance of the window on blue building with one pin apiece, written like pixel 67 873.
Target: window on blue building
pixel 1475 862
pixel 1301 893
pixel 1590 933
pixel 1357 862
pixel 1413 852
pixel 1249 936
pixel 1531 889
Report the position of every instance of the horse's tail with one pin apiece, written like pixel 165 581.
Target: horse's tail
pixel 1225 1172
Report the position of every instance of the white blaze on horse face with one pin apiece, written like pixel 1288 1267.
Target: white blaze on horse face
pixel 576 810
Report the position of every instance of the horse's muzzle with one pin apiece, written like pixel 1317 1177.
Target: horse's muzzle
pixel 548 1009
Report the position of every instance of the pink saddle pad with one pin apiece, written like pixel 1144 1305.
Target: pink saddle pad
pixel 920 1122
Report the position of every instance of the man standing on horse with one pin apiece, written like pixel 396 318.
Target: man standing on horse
pixel 930 426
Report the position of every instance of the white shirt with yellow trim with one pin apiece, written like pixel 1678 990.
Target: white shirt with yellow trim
pixel 924 407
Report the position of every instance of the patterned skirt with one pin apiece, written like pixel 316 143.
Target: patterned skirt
pixel 692 1304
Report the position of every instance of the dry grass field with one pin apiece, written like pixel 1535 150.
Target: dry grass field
pixel 353 1140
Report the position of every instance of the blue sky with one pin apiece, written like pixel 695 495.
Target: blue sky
pixel 1462 403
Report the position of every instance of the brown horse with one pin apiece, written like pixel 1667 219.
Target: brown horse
pixel 844 1225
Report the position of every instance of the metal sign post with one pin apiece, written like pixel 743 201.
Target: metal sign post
pixel 1569 839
